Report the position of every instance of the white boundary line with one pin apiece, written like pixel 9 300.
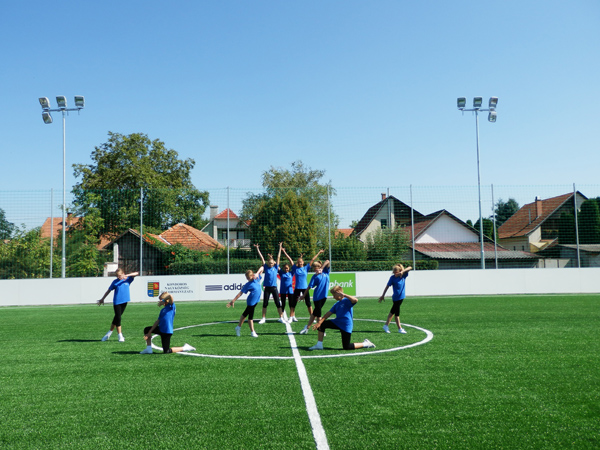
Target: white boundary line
pixel 428 337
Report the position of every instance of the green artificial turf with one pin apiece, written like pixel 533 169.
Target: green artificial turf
pixel 505 372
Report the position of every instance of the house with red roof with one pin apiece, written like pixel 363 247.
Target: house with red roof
pixel 535 226
pixel 226 226
pixel 439 236
pixel 127 246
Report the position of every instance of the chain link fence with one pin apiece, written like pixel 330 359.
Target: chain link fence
pixel 158 232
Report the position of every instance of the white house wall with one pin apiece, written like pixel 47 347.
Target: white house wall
pixel 445 229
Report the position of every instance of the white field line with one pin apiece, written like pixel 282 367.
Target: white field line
pixel 309 398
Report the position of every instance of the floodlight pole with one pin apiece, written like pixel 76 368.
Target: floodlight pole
pixel 79 102
pixel 461 102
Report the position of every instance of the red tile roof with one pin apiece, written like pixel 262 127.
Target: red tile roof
pixel 56 223
pixel 345 231
pixel 223 214
pixel 189 237
pixel 526 219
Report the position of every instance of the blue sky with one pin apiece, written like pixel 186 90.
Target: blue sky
pixel 364 90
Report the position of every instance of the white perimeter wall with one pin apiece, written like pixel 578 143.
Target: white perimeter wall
pixel 368 284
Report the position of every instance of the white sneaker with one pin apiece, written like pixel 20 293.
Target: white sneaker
pixel 188 348
pixel 304 330
pixel 147 351
pixel 386 328
pixel 253 334
pixel 281 320
pixel 261 321
pixel 121 338
pixel 368 344
pixel 293 319
pixel 238 330
pixel 402 331
pixel 106 337
pixel 318 346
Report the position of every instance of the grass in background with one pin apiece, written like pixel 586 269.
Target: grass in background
pixel 501 372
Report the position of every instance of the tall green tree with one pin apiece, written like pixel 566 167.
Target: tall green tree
pixel 276 220
pixel 504 210
pixel 566 228
pixel 304 182
pixel 589 222
pixel 6 228
pixel 386 244
pixel 488 228
pixel 25 255
pixel 124 165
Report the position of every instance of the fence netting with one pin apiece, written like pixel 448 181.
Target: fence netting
pixel 219 231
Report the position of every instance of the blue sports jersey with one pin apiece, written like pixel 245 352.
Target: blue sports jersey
pixel 344 314
pixel 121 288
pixel 253 288
pixel 270 275
pixel 165 318
pixel 301 274
pixel 320 283
pixel 286 282
pixel 398 287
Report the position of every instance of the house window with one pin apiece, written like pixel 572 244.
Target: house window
pixel 384 223
pixel 222 234
pixel 241 234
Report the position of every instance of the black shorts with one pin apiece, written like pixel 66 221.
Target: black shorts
pixel 346 337
pixel 249 312
pixel 271 291
pixel 297 293
pixel 396 307
pixel 165 338
pixel 119 310
pixel 318 307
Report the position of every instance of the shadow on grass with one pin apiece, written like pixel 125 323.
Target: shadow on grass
pixel 128 353
pixel 79 340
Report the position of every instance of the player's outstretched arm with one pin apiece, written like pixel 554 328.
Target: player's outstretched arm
pixel 101 301
pixel 259 253
pixel 382 298
pixel 316 256
pixel 231 304
pixel 354 300
pixel 287 256
pixel 132 274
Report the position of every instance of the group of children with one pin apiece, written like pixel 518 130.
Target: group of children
pixel 343 308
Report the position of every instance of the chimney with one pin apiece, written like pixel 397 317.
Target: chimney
pixel 213 211
pixel 538 207
pixel 382 196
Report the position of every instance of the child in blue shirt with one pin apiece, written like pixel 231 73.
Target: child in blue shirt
pixel 300 273
pixel 344 321
pixel 253 289
pixel 320 283
pixel 164 327
pixel 398 283
pixel 120 300
pixel 270 269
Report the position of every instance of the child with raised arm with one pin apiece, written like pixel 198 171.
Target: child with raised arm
pixel 286 289
pixel 398 283
pixel 300 272
pixel 270 285
pixel 164 327
pixel 320 283
pixel 252 288
pixel 344 321
pixel 120 300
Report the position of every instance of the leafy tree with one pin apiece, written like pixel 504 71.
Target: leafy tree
pixel 488 228
pixel 26 255
pixel 566 228
pixel 304 182
pixel 276 220
pixel 386 244
pixel 589 222
pixel 125 164
pixel 6 228
pixel 347 248
pixel 504 210
pixel 84 259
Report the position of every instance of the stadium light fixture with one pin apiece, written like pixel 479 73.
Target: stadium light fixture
pixel 477 102
pixel 61 100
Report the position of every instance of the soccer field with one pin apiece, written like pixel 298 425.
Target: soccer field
pixel 506 372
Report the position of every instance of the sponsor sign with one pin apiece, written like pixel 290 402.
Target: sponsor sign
pixel 347 280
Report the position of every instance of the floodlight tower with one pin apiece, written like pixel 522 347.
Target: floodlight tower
pixel 461 102
pixel 61 100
